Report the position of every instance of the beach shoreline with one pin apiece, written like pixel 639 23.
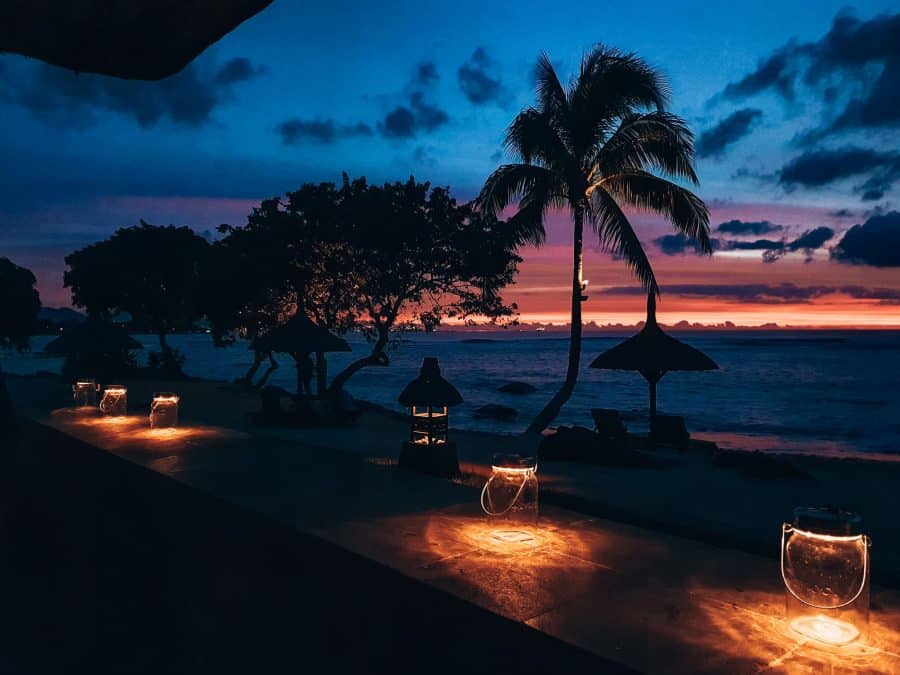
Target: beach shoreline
pixel 687 492
pixel 831 394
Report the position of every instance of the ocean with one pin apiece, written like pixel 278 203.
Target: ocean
pixel 820 392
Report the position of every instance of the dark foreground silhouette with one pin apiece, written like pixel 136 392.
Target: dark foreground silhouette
pixel 107 567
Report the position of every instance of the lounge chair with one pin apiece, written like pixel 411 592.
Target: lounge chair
pixel 609 425
pixel 670 429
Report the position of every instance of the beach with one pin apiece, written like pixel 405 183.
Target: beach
pixel 686 539
pixel 691 493
pixel 817 392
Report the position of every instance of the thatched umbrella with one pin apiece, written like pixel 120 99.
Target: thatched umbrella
pixel 299 337
pixel 653 353
pixel 92 337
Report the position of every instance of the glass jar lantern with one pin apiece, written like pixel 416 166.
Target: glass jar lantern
pixel 164 411
pixel 114 401
pixel 825 565
pixel 84 393
pixel 511 491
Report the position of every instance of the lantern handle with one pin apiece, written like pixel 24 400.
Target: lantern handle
pixel 788 528
pixel 484 491
pixel 104 403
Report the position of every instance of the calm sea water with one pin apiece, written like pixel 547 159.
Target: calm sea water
pixel 807 391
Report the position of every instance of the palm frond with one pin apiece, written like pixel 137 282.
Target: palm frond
pixel 611 85
pixel 644 191
pixel 626 79
pixel 618 236
pixel 550 91
pixel 533 138
pixel 526 226
pixel 512 181
pixel 655 140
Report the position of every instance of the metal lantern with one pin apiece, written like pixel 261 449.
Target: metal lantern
pixel 428 398
pixel 84 393
pixel 511 492
pixel 429 424
pixel 825 565
pixel 114 401
pixel 164 411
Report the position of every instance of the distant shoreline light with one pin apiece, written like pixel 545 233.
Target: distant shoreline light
pixel 707 321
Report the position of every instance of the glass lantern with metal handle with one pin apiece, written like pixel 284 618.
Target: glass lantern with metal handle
pixel 511 492
pixel 164 411
pixel 826 569
pixel 84 393
pixel 114 401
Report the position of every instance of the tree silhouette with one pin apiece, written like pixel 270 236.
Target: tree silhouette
pixel 245 291
pixel 368 257
pixel 18 320
pixel 287 255
pixel 420 257
pixel 151 272
pixel 592 148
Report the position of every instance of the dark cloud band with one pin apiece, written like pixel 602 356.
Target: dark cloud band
pixel 766 293
pixel 63 98
pixel 875 242
pixel 733 128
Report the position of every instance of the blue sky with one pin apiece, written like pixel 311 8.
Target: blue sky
pixel 387 89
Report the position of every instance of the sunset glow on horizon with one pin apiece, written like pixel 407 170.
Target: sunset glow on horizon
pixel 788 162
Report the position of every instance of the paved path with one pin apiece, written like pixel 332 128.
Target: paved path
pixel 652 602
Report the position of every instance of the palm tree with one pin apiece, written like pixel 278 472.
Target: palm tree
pixel 595 148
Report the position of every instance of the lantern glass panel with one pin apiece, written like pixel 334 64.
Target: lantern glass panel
pixel 164 411
pixel 826 579
pixel 512 490
pixel 84 393
pixel 429 424
pixel 114 401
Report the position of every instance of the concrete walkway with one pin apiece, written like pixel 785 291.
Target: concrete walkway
pixel 653 602
pixel 111 569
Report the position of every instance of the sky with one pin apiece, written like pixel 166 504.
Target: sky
pixel 795 105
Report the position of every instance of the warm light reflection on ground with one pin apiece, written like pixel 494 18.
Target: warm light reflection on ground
pixel 131 431
pixel 823 629
pixel 503 538
pixel 758 620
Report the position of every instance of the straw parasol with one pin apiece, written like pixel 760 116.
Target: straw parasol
pixel 299 335
pixel 92 337
pixel 653 353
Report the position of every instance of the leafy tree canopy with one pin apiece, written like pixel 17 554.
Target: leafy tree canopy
pixel 366 256
pixel 151 272
pixel 19 306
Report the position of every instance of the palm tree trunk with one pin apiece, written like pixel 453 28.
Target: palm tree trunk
pixel 551 410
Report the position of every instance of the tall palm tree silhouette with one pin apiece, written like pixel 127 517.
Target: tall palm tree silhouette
pixel 596 147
